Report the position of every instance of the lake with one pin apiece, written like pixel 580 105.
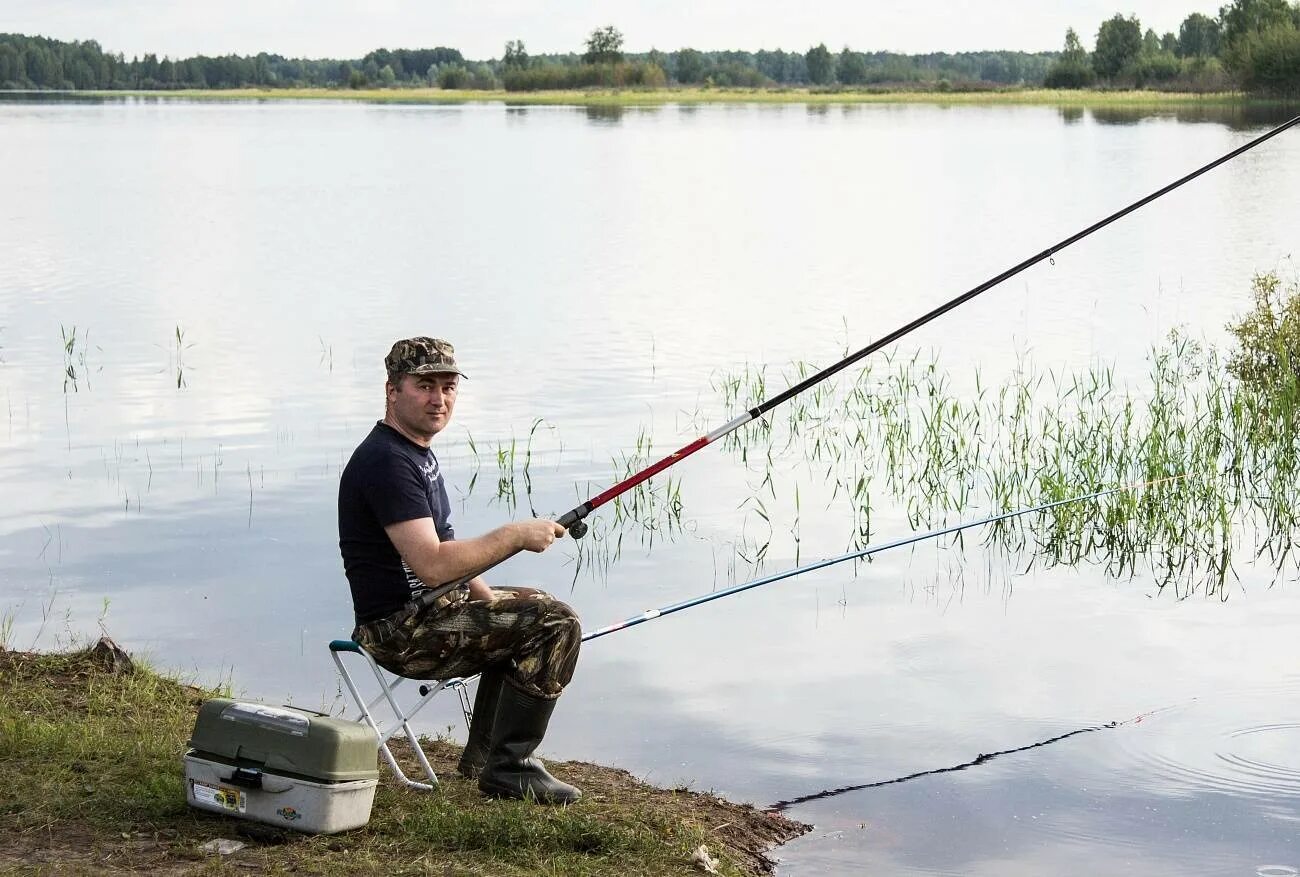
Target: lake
pixel 196 298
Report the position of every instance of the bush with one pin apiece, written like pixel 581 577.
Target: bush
pixel 1069 74
pixel 1269 336
pixel 733 75
pixel 454 76
pixel 1269 60
pixel 1204 74
pixel 481 77
pixel 548 77
pixel 1158 67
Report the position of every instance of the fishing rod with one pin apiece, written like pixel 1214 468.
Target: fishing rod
pixel 652 614
pixel 572 520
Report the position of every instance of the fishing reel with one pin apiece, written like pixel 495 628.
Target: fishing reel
pixel 578 529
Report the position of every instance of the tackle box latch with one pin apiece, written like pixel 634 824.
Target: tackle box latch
pixel 246 778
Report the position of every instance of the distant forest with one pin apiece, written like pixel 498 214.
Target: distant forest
pixel 1251 44
pixel 37 62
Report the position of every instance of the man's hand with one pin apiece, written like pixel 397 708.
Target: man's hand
pixel 538 534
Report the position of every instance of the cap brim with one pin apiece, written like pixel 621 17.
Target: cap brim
pixel 436 370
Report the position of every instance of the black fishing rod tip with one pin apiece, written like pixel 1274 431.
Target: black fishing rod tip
pixel 578 529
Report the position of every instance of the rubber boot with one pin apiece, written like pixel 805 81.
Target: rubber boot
pixel 480 724
pixel 511 771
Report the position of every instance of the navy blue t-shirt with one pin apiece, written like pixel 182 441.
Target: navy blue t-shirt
pixel 389 479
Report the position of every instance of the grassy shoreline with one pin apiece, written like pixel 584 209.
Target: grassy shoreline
pixel 690 96
pixel 93 784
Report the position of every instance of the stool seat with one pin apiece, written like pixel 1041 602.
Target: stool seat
pixel 388 684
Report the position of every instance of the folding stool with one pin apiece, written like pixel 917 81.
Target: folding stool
pixel 388 683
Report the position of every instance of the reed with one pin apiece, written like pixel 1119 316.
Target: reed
pixel 75 351
pixel 897 431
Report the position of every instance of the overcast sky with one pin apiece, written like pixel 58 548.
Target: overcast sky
pixel 350 28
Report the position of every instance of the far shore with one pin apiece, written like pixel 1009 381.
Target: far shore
pixel 632 97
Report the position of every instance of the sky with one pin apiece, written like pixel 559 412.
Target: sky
pixel 479 28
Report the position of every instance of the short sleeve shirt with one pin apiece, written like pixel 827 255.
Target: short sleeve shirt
pixel 389 479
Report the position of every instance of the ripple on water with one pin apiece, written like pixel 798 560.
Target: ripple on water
pixel 1244 743
pixel 1258 761
pixel 1241 748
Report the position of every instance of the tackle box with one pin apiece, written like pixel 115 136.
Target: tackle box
pixel 281 765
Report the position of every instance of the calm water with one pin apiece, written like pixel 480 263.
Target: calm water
pixel 235 273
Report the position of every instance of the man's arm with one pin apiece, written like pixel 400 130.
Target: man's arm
pixel 437 562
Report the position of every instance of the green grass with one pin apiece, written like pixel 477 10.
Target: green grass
pixel 93 780
pixel 631 97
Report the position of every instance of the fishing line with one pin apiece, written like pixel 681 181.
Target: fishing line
pixel 982 758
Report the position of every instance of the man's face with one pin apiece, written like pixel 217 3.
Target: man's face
pixel 422 404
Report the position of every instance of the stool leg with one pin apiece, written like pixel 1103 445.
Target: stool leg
pixel 368 718
pixel 410 734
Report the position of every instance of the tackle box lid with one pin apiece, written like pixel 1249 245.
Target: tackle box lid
pixel 282 739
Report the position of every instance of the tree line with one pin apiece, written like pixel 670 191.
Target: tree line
pixel 33 62
pixel 38 62
pixel 1252 44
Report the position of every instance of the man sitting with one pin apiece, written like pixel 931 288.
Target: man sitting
pixel 422 608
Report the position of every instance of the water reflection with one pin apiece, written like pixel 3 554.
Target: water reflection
pixel 55 97
pixel 604 114
pixel 1236 117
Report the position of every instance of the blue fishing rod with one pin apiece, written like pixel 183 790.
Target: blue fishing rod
pixel 652 614
pixel 671 608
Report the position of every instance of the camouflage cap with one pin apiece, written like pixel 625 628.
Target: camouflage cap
pixel 422 356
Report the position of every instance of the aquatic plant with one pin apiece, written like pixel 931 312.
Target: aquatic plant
pixel 1268 337
pixel 177 355
pixel 326 354
pixel 1216 458
pixel 75 351
pixel 513 462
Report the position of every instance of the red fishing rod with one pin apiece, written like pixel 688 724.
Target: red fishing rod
pixel 573 520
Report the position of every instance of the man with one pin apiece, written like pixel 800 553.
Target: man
pixel 398 545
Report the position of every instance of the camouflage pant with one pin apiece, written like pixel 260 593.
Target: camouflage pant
pixel 528 633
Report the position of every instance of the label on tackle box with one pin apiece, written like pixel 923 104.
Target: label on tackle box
pixel 220 797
